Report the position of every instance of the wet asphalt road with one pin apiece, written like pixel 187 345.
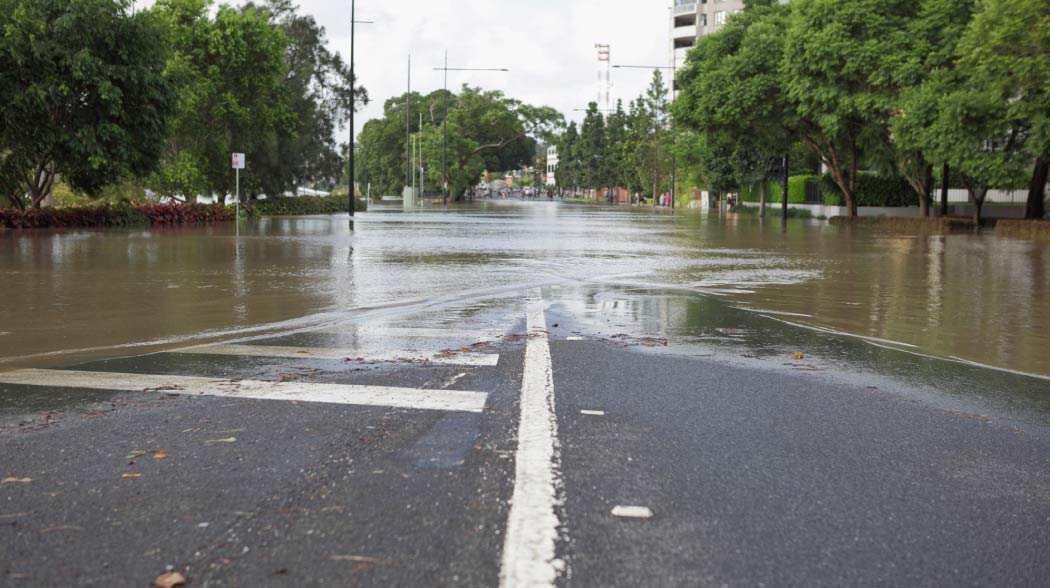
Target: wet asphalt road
pixel 755 475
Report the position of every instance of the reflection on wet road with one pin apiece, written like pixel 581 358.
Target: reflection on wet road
pixel 92 294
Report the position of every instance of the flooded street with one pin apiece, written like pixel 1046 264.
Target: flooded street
pixel 418 397
pixel 93 294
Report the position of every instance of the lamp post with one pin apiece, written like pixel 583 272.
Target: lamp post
pixel 353 101
pixel 674 139
pixel 444 122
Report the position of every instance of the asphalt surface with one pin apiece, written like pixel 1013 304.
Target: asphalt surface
pixel 756 474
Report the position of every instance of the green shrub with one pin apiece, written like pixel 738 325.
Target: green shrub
pixel 303 205
pixel 872 190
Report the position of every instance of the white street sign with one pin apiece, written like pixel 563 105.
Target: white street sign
pixel 238 161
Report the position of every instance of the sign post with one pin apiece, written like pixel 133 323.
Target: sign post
pixel 238 165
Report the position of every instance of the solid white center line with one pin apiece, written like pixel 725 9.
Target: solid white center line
pixel 467 359
pixel 445 400
pixel 532 525
pixel 593 412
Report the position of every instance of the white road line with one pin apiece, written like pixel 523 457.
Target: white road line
pixel 446 400
pixel 632 512
pixel 450 333
pixel 532 525
pixel 574 338
pixel 593 412
pixel 467 359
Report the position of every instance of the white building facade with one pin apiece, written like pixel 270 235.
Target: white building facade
pixel 552 166
pixel 692 19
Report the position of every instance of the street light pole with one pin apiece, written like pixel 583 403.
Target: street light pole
pixel 353 103
pixel 444 123
pixel 444 138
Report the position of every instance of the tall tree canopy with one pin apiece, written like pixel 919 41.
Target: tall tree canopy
pixel 486 130
pixel 83 95
pixel 233 94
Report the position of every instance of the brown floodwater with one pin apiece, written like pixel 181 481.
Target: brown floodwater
pixel 78 294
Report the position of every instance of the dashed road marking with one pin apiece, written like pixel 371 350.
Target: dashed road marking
pixel 632 512
pixel 593 412
pixel 441 400
pixel 532 525
pixel 574 338
pixel 465 359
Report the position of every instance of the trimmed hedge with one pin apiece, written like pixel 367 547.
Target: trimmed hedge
pixel 872 190
pixel 774 191
pixel 120 215
pixel 303 205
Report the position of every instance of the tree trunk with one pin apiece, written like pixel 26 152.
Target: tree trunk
pixel 762 206
pixel 926 195
pixel 977 195
pixel 1036 207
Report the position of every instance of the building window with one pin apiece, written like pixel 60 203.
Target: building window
pixel 720 17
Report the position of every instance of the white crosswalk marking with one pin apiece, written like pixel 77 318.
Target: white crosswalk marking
pixel 464 359
pixel 442 400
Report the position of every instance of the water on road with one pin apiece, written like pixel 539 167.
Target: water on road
pixel 71 295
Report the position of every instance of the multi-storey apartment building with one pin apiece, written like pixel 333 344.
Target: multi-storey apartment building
pixel 691 19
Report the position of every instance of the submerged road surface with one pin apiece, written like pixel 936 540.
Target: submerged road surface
pixel 569 432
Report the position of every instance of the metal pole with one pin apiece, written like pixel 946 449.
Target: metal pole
pixel 408 127
pixel 444 139
pixel 238 192
pixel 945 172
pixel 674 138
pixel 784 193
pixel 353 106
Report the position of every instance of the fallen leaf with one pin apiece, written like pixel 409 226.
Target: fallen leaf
pixel 799 355
pixel 226 440
pixel 169 580
pixel 161 456
pixel 16 480
pixel 135 454
pixel 131 475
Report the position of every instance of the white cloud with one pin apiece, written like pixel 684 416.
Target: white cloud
pixel 547 44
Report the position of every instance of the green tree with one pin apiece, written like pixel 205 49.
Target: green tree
pixel 927 59
pixel 593 148
pixel 838 72
pixel 1007 50
pixel 732 89
pixel 618 146
pixel 318 89
pixel 82 95
pixel 568 160
pixel 486 131
pixel 381 143
pixel 233 96
pixel 649 154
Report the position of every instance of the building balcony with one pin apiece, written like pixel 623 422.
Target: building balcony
pixel 685 8
pixel 686 32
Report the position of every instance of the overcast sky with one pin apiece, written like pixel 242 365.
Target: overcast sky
pixel 547 44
